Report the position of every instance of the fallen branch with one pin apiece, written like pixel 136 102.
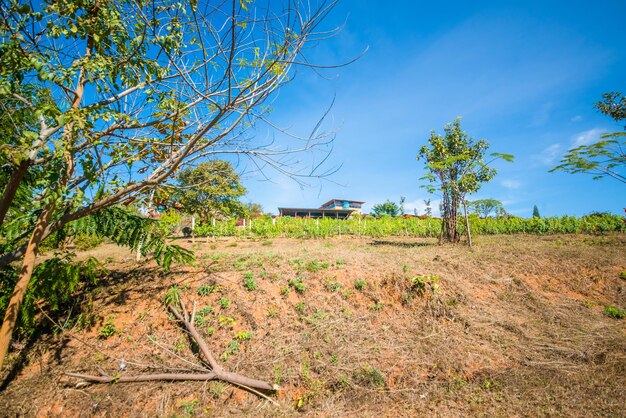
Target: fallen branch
pixel 216 372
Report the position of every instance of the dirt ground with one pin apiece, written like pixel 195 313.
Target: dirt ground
pixel 346 327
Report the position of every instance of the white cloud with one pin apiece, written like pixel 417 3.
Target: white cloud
pixel 548 155
pixel 587 137
pixel 576 118
pixel 542 115
pixel 511 184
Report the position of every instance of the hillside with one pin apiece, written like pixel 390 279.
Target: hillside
pixel 347 327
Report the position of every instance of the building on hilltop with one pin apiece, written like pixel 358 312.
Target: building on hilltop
pixel 335 208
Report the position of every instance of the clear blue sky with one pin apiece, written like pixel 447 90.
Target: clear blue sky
pixel 523 75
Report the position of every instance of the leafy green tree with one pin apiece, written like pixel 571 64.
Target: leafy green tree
pixel 485 207
pixel 210 190
pixel 388 208
pixel 254 210
pixel 536 212
pixel 607 157
pixel 456 167
pixel 104 101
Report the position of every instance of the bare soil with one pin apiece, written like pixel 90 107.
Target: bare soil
pixel 515 328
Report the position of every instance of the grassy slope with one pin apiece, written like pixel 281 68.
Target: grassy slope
pixel 516 328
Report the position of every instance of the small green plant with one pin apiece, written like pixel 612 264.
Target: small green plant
pixel 207 288
pixel 278 374
pixel 370 376
pixel 267 243
pixel 189 407
pixel 109 329
pixel 340 262
pixel 216 389
pixel 272 312
pixel 332 286
pixel 232 348
pixel 422 283
pixel 249 283
pixel 378 306
pixel 172 296
pixel 360 284
pixel 284 290
pixel 200 320
pixel 614 312
pixel 622 275
pixel 225 321
pixel 210 331
pixel 243 336
pixel 300 307
pixel 405 268
pixel 297 285
pixel 206 310
pixel 224 303
pixel 333 359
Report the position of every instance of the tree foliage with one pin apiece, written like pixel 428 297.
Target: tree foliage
pixel 456 167
pixel 485 207
pixel 388 208
pixel 211 189
pixel 607 157
pixel 102 101
pixel 536 212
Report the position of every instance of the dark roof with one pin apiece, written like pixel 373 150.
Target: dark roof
pixel 340 200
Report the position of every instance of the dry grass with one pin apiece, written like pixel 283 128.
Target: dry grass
pixel 516 328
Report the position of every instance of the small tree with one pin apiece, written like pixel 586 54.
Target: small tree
pixel 388 208
pixel 429 210
pixel 536 212
pixel 485 207
pixel 607 157
pixel 456 168
pixel 210 189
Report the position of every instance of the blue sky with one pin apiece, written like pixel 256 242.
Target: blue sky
pixel 523 75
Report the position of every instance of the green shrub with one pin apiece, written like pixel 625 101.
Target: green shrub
pixel 614 312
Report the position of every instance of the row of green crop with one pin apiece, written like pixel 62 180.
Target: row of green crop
pixel 412 227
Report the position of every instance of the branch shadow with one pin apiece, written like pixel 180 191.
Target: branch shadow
pixel 403 244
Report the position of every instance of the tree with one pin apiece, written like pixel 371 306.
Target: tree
pixel 107 100
pixel 456 167
pixel 429 210
pixel 536 212
pixel 254 210
pixel 388 208
pixel 607 157
pixel 485 207
pixel 210 190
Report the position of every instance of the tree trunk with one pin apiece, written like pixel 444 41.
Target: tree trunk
pixel 28 265
pixel 467 225
pixel 11 188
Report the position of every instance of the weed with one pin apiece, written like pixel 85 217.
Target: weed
pixel 614 312
pixel 297 285
pixel 421 283
pixel 225 321
pixel 405 268
pixel 272 312
pixel 248 275
pixel 589 304
pixel 340 262
pixel 369 376
pixel 189 407
pixel 206 310
pixel 233 244
pixel 180 345
pixel 267 243
pixel 210 331
pixel 216 389
pixel 243 336
pixel 213 247
pixel 232 348
pixel 207 288
pixel 622 275
pixel 224 303
pixel 284 290
pixel 249 283
pixel 200 320
pixel 109 329
pixel 378 306
pixel 360 284
pixel 172 296
pixel 333 359
pixel 278 374
pixel 300 307
pixel 332 286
